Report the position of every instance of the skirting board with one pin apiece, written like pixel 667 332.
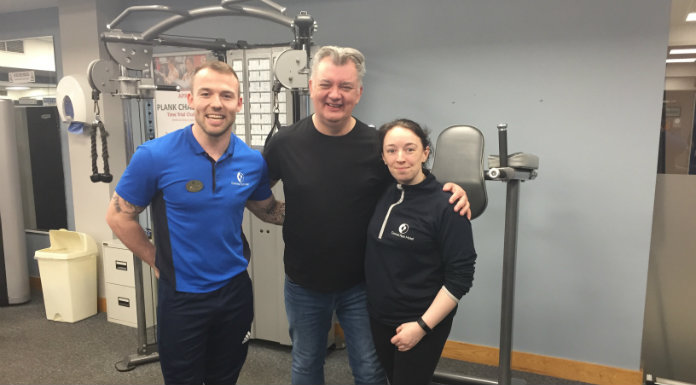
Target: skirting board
pixel 548 366
pixel 35 284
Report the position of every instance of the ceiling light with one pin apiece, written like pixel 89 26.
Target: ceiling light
pixel 691 16
pixel 682 51
pixel 17 88
pixel 688 60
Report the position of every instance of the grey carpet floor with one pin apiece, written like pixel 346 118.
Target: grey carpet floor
pixel 35 350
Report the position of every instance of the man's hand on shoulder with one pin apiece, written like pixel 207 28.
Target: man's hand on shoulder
pixel 462 206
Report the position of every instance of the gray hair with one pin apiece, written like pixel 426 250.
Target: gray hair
pixel 340 56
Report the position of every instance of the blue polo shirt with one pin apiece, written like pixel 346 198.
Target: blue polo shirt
pixel 197 206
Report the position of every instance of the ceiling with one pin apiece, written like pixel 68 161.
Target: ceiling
pixel 682 32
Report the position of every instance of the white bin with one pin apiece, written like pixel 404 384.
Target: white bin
pixel 68 271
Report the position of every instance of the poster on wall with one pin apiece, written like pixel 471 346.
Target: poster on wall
pixel 172 111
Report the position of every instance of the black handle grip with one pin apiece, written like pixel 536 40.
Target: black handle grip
pixel 164 87
pixel 502 144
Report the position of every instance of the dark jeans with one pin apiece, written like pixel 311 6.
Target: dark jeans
pixel 310 314
pixel 415 366
pixel 203 337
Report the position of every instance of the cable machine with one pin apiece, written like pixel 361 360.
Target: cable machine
pixel 129 74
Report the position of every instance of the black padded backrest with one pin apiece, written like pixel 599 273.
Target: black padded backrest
pixel 459 159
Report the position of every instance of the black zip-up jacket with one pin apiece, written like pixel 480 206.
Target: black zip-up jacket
pixel 416 244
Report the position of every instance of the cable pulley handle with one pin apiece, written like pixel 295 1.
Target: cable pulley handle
pixel 93 150
pixel 98 125
pixel 276 111
pixel 106 176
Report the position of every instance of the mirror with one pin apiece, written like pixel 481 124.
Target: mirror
pixel 28 70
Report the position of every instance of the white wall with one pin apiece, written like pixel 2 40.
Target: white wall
pixel 580 85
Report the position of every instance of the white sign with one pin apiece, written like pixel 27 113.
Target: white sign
pixel 172 111
pixel 22 77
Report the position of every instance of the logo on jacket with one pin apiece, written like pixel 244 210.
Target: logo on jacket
pixel 403 229
pixel 240 179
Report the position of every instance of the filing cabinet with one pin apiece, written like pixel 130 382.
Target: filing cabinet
pixel 119 281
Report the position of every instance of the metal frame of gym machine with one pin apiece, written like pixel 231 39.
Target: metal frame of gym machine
pixel 464 145
pixel 125 77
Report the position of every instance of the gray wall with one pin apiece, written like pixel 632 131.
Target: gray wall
pixel 580 85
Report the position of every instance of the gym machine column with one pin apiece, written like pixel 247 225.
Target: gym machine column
pixel 511 169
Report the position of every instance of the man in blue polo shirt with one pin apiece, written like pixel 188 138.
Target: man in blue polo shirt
pixel 198 181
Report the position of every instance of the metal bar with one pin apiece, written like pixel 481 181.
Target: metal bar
pixel 663 381
pixel 452 379
pixel 276 6
pixel 153 32
pixel 141 8
pixel 140 304
pixel 510 173
pixel 296 106
pixel 128 119
pixel 133 360
pixel 144 351
pixel 508 292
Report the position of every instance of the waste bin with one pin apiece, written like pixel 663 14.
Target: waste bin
pixel 68 270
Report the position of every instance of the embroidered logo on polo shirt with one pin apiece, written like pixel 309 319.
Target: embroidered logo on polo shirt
pixel 194 186
pixel 403 229
pixel 240 180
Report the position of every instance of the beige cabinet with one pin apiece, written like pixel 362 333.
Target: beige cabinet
pixel 119 280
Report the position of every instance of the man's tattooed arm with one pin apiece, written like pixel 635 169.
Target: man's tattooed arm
pixel 123 206
pixel 269 210
pixel 122 218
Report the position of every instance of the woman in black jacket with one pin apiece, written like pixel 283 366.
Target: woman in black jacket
pixel 419 260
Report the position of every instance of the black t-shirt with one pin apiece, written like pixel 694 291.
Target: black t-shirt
pixel 331 185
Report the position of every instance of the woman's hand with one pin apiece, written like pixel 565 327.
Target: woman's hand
pixel 407 336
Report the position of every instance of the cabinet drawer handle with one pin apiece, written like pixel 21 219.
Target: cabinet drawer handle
pixel 125 302
pixel 122 265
